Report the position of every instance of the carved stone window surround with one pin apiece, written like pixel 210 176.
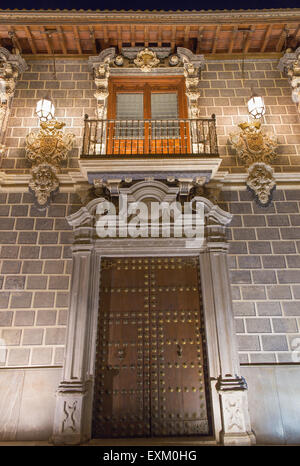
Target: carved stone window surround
pixel 190 65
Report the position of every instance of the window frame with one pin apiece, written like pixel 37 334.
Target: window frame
pixel 146 85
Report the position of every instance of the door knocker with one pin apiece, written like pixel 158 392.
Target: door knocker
pixel 179 351
pixel 121 353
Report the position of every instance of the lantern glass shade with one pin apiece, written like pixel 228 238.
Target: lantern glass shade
pixel 256 106
pixel 45 109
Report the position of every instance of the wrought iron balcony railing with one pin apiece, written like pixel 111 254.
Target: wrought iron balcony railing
pixel 150 137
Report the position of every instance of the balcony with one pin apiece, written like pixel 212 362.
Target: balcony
pixel 140 148
pixel 184 137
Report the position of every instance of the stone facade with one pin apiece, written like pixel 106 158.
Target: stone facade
pixel 35 273
pixel 265 274
pixel 225 92
pixel 73 93
pixel 35 278
pixel 36 270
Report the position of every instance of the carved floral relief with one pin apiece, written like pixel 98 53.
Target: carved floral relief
pixel 146 60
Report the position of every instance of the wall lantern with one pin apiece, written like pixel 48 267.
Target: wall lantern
pixel 45 109
pixel 256 106
pixel 46 149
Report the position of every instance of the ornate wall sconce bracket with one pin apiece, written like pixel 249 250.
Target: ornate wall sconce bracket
pixel 46 149
pixel 257 150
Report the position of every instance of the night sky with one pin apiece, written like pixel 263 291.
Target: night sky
pixel 149 4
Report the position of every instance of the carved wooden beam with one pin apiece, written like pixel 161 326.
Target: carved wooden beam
pixel 13 35
pixel 186 36
pixel 266 38
pixel 30 39
pixel 48 43
pixel 282 39
pixel 120 41
pixel 159 36
pixel 232 40
pixel 248 39
pixel 62 40
pixel 92 36
pixel 216 37
pixel 173 38
pixel 77 39
pixel 146 36
pixel 199 39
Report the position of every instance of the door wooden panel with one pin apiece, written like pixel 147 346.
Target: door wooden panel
pixel 150 363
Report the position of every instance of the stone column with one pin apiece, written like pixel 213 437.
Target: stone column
pixel 192 66
pixel 231 387
pixel 290 65
pixel 101 70
pixel 74 397
pixel 100 66
pixel 11 66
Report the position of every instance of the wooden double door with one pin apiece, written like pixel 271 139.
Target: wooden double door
pixel 150 364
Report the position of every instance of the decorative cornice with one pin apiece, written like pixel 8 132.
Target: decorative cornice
pixel 69 182
pixel 176 17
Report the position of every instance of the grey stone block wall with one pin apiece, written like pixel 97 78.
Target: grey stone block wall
pixel 72 92
pixel 35 277
pixel 264 265
pixel 225 92
pixel 35 270
pixel 264 242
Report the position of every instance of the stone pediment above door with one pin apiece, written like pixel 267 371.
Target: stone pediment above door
pixel 150 190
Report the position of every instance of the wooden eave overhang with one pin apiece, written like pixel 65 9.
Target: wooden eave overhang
pixel 69 33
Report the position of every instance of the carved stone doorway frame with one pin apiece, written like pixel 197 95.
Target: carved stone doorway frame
pixel 228 390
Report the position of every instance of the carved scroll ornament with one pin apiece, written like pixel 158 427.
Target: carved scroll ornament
pixel 46 150
pixel 257 150
pixel 289 64
pixel 11 66
pixel 146 60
